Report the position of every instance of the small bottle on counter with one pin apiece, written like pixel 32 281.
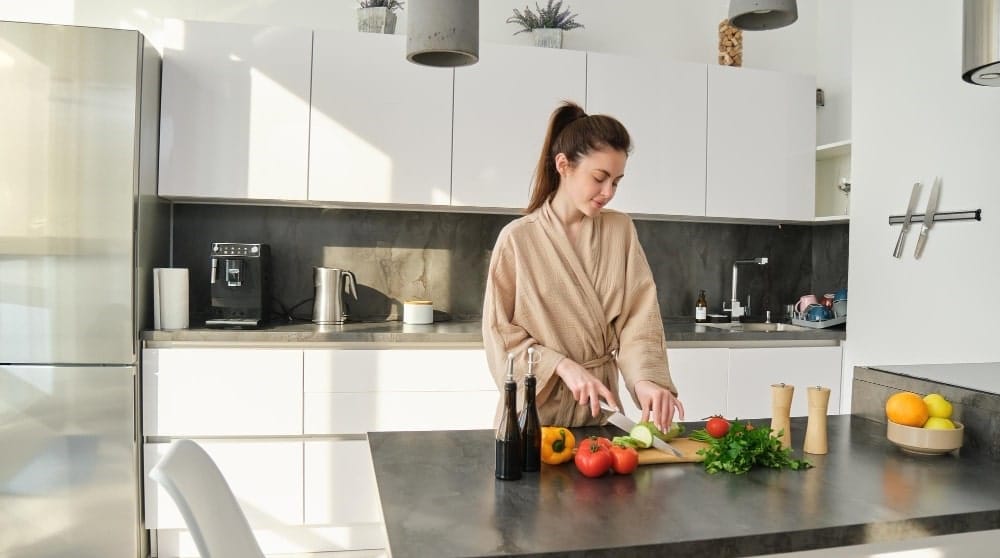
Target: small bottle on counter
pixel 508 466
pixel 701 308
pixel 529 426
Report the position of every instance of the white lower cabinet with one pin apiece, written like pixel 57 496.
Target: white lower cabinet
pixel 752 371
pixel 221 392
pixel 265 476
pixel 341 498
pixel 398 390
pixel 249 409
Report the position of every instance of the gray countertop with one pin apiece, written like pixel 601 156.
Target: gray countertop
pixel 679 332
pixel 440 498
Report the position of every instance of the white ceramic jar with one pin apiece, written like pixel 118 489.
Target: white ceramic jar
pixel 418 312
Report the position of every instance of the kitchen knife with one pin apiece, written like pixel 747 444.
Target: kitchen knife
pixel 914 196
pixel 621 421
pixel 932 205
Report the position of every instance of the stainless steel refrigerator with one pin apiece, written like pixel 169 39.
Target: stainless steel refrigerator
pixel 80 230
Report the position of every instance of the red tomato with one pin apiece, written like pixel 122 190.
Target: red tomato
pixel 592 458
pixel 717 427
pixel 624 460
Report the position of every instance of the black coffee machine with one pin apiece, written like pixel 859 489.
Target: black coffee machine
pixel 241 285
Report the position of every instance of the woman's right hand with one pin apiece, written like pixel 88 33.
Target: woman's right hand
pixel 586 389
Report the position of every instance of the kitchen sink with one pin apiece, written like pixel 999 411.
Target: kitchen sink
pixel 757 327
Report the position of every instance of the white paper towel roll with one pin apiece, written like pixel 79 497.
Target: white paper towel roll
pixel 170 298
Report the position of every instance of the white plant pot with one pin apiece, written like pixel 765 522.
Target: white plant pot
pixel 376 20
pixel 548 38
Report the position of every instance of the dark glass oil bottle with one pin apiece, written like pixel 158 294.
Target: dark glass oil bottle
pixel 530 428
pixel 508 435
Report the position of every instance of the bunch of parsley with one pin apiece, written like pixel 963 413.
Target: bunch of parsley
pixel 745 446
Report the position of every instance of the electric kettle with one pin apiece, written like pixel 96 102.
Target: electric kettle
pixel 329 306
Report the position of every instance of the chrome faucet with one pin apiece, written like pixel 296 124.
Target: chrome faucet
pixel 735 311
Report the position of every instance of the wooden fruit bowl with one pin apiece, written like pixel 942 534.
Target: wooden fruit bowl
pixel 925 441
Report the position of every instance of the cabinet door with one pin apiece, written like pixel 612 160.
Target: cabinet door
pixel 701 377
pixel 265 476
pixel 752 371
pixel 662 104
pixel 221 392
pixel 341 494
pixel 357 391
pixel 381 125
pixel 761 144
pixel 234 111
pixel 502 108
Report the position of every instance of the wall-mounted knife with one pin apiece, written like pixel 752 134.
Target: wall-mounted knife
pixel 914 196
pixel 932 205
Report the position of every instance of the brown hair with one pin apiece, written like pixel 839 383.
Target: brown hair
pixel 574 133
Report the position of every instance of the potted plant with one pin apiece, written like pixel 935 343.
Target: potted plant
pixel 545 24
pixel 376 16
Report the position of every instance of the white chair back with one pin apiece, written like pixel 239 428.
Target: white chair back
pixel 211 512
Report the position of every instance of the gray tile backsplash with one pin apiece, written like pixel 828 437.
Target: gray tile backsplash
pixel 401 255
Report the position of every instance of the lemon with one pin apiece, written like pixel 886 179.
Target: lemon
pixel 939 423
pixel 938 406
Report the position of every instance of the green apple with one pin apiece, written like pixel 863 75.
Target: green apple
pixel 938 406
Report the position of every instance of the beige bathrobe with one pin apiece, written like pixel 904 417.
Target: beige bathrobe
pixel 586 304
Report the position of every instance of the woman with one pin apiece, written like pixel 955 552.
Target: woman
pixel 571 279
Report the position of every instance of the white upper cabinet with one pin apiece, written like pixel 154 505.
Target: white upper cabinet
pixel 761 144
pixel 234 112
pixel 381 126
pixel 662 104
pixel 502 108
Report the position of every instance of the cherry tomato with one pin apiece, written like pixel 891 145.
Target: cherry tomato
pixel 717 427
pixel 592 458
pixel 624 460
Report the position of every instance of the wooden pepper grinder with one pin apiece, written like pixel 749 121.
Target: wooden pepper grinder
pixel 819 398
pixel 781 410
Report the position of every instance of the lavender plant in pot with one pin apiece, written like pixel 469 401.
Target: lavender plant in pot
pixel 545 24
pixel 377 16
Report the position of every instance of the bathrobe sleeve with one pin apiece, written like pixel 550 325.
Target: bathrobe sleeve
pixel 642 353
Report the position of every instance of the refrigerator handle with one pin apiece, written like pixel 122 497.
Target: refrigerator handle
pixel 215 264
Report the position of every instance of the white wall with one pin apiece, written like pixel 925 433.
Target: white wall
pixel 915 118
pixel 676 29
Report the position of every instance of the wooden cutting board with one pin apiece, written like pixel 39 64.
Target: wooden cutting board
pixel 688 447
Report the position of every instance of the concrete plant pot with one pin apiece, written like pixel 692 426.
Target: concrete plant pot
pixel 548 38
pixel 376 20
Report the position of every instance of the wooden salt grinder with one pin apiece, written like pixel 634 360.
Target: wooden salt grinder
pixel 819 398
pixel 781 410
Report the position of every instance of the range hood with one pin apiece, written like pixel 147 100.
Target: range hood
pixel 981 42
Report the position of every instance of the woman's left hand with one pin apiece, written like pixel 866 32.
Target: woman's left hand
pixel 658 404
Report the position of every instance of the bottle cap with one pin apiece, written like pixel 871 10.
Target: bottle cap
pixel 532 360
pixel 510 367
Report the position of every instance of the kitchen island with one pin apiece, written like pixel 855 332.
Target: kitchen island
pixel 440 498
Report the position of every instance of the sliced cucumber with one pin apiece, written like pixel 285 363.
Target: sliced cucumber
pixel 626 441
pixel 642 435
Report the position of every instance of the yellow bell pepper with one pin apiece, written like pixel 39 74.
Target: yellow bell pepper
pixel 557 445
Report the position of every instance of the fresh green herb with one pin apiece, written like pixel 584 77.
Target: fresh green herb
pixel 745 446
pixel 700 435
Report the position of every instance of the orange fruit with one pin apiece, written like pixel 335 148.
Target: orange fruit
pixel 906 408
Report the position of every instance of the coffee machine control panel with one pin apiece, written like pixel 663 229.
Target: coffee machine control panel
pixel 235 249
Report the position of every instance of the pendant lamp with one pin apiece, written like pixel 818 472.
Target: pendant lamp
pixel 761 15
pixel 981 42
pixel 442 33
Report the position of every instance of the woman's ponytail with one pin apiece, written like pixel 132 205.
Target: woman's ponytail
pixel 572 132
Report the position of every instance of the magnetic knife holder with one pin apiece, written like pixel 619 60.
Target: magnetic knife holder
pixel 972 215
